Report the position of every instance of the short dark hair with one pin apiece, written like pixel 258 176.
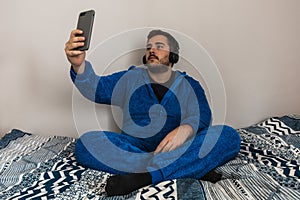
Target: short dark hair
pixel 174 46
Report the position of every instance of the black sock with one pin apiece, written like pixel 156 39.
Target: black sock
pixel 125 184
pixel 212 176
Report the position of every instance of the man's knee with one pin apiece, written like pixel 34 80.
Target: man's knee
pixel 82 154
pixel 229 140
pixel 232 137
pixel 223 137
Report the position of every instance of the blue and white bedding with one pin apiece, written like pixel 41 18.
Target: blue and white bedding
pixel 44 167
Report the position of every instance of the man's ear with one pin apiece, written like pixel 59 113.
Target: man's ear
pixel 144 60
pixel 173 58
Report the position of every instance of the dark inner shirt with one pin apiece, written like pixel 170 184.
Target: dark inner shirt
pixel 160 89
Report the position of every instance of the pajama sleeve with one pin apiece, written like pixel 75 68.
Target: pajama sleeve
pixel 200 118
pixel 98 89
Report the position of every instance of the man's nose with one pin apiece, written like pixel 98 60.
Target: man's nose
pixel 152 50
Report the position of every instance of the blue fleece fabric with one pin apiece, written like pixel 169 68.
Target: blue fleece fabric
pixel 146 121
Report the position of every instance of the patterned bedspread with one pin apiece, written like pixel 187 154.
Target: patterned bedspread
pixel 44 167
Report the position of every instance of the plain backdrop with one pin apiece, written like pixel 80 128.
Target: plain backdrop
pixel 254 44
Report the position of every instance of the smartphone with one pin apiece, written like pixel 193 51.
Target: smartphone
pixel 85 23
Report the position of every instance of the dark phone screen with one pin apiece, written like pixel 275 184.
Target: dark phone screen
pixel 85 23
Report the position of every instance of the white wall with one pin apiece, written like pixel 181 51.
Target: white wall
pixel 255 45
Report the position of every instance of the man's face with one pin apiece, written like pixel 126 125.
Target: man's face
pixel 157 53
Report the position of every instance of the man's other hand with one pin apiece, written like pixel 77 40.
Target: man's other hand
pixel 175 139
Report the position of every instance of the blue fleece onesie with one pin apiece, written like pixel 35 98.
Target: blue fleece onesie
pixel 146 122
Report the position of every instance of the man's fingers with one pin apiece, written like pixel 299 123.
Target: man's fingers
pixel 77 39
pixel 167 147
pixel 75 45
pixel 160 147
pixel 74 53
pixel 75 33
pixel 70 52
pixel 69 48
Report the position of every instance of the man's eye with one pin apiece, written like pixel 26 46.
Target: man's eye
pixel 160 46
pixel 148 47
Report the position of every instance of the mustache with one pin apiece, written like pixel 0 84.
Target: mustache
pixel 152 55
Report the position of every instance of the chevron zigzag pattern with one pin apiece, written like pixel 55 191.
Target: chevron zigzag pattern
pixel 164 190
pixel 274 125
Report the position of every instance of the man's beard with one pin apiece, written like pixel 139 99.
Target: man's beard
pixel 161 67
pixel 157 68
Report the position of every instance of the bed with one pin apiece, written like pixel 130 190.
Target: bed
pixel 44 167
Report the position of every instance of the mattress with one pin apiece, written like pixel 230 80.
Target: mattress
pixel 44 167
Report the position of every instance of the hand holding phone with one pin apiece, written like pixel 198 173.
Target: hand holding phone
pixel 85 23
